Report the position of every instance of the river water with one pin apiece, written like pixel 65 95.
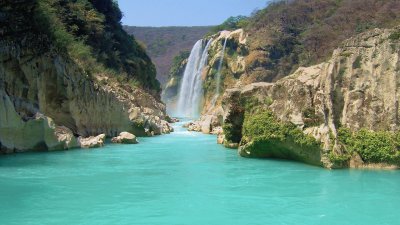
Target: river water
pixel 186 178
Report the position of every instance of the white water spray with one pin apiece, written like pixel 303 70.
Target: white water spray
pixel 221 61
pixel 191 91
pixel 218 78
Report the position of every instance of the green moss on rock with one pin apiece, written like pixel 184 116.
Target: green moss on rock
pixel 265 136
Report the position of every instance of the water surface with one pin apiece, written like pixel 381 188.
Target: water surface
pixel 185 178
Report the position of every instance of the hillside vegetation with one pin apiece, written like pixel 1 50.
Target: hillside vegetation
pixel 289 34
pixel 90 31
pixel 175 76
pixel 286 35
pixel 297 33
pixel 68 71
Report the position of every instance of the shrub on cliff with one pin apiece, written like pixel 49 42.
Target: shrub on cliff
pixel 232 23
pixel 263 124
pixel 175 75
pixel 373 147
pixel 265 136
pixel 176 68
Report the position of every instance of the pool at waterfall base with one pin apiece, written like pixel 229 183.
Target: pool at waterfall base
pixel 186 178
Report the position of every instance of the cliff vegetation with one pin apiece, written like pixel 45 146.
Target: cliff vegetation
pixel 69 71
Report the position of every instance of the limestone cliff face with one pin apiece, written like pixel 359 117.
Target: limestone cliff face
pixel 47 100
pixel 232 71
pixel 357 88
pixel 35 133
pixel 233 66
pixel 360 80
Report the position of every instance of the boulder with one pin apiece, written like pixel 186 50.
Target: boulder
pixel 220 139
pixel 231 145
pixel 194 126
pixel 217 131
pixel 61 138
pixel 174 120
pixel 206 124
pixel 125 138
pixel 92 141
pixel 166 128
pixel 356 161
pixel 171 119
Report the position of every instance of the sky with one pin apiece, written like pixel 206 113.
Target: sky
pixel 158 13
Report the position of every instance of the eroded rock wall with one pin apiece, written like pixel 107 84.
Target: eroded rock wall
pixel 357 88
pixel 42 90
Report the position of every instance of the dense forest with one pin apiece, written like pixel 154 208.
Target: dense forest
pixel 91 33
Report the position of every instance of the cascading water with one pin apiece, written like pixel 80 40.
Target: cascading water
pixel 191 90
pixel 218 78
pixel 221 61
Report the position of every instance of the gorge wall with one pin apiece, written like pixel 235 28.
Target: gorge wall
pixel 358 88
pixel 355 92
pixel 49 95
pixel 313 81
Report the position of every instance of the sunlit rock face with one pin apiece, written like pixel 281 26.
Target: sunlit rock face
pixel 357 88
pixel 43 90
pixel 214 65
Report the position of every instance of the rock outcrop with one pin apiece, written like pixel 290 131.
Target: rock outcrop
pixel 125 138
pixel 37 132
pixel 92 141
pixel 39 78
pixel 357 88
pixel 53 86
pixel 233 68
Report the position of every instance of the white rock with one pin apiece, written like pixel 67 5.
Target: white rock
pixel 125 138
pixel 92 141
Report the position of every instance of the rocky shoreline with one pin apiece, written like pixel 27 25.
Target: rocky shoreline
pixel 355 89
pixel 49 98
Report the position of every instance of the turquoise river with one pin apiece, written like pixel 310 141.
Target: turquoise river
pixel 186 178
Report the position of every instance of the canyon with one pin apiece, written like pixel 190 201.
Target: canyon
pixel 355 89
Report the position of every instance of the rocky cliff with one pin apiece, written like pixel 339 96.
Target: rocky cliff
pixel 308 81
pixel 357 89
pixel 286 35
pixel 232 71
pixel 347 107
pixel 48 96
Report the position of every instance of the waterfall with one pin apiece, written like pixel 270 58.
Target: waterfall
pixel 191 91
pixel 218 82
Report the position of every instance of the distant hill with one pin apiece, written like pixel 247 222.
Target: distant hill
pixel 291 34
pixel 164 43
